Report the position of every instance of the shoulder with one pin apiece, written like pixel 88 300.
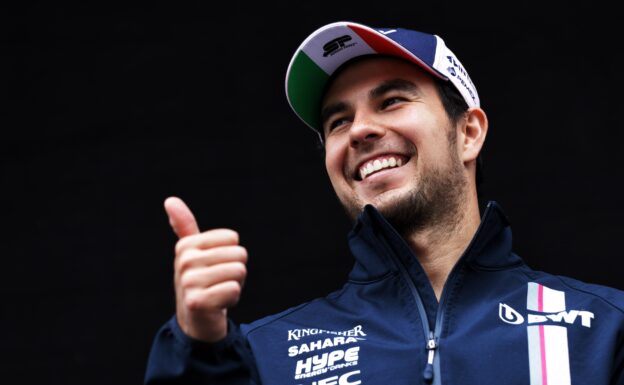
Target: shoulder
pixel 304 313
pixel 612 298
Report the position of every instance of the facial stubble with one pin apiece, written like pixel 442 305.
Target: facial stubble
pixel 434 202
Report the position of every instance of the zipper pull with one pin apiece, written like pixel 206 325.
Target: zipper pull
pixel 431 347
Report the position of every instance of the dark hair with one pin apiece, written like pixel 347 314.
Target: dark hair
pixel 455 107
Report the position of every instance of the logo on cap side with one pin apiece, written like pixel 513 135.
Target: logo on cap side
pixel 458 72
pixel 336 45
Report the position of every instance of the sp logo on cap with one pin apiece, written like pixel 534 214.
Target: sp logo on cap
pixel 334 45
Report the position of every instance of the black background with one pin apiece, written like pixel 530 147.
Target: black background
pixel 109 110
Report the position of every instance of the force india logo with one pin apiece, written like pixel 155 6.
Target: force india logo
pixel 549 362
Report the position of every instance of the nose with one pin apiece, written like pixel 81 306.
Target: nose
pixel 364 131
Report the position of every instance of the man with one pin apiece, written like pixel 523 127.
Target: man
pixel 436 294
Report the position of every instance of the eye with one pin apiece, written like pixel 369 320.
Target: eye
pixel 336 123
pixel 390 101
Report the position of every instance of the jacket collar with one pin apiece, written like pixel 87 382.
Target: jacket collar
pixel 373 239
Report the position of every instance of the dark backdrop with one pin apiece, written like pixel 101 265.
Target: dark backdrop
pixel 110 110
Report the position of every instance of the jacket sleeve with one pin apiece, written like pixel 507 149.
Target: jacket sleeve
pixel 176 358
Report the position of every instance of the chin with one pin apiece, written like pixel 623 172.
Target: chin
pixel 387 199
pixel 383 202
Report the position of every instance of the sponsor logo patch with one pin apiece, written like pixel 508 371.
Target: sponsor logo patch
pixel 336 45
pixel 335 355
pixel 547 320
pixel 296 334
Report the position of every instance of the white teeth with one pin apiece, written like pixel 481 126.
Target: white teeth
pixel 377 165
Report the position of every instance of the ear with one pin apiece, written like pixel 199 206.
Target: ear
pixel 472 135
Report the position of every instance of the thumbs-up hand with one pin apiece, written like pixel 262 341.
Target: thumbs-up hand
pixel 209 272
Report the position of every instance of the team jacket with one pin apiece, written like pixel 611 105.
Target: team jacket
pixel 497 322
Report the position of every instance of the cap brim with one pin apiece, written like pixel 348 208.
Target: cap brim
pixel 323 52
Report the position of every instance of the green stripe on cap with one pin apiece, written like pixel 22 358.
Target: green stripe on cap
pixel 305 88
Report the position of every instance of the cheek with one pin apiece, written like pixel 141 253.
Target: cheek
pixel 423 130
pixel 331 164
pixel 334 161
pixel 411 125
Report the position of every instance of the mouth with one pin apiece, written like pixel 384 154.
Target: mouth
pixel 379 163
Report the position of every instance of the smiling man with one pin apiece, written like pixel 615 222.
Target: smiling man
pixel 389 142
pixel 436 294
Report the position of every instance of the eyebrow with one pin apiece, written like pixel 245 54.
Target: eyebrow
pixel 331 110
pixel 393 85
pixel 380 90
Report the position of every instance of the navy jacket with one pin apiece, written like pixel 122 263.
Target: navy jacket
pixel 497 322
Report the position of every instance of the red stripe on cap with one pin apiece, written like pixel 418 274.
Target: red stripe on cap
pixel 385 45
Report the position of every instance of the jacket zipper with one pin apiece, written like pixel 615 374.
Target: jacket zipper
pixel 431 347
pixel 431 372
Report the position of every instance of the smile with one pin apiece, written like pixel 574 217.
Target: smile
pixel 383 162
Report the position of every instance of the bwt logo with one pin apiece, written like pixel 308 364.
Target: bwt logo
pixel 335 45
pixel 511 316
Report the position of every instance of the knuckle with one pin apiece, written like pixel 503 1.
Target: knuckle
pixel 185 281
pixel 185 259
pixel 234 291
pixel 192 302
pixel 237 289
pixel 229 293
pixel 181 245
pixel 242 253
pixel 230 236
pixel 234 236
pixel 240 270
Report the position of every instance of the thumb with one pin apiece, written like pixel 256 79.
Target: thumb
pixel 181 218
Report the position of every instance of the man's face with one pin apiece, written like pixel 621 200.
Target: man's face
pixel 389 141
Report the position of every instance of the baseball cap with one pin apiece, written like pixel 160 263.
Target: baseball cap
pixel 332 45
